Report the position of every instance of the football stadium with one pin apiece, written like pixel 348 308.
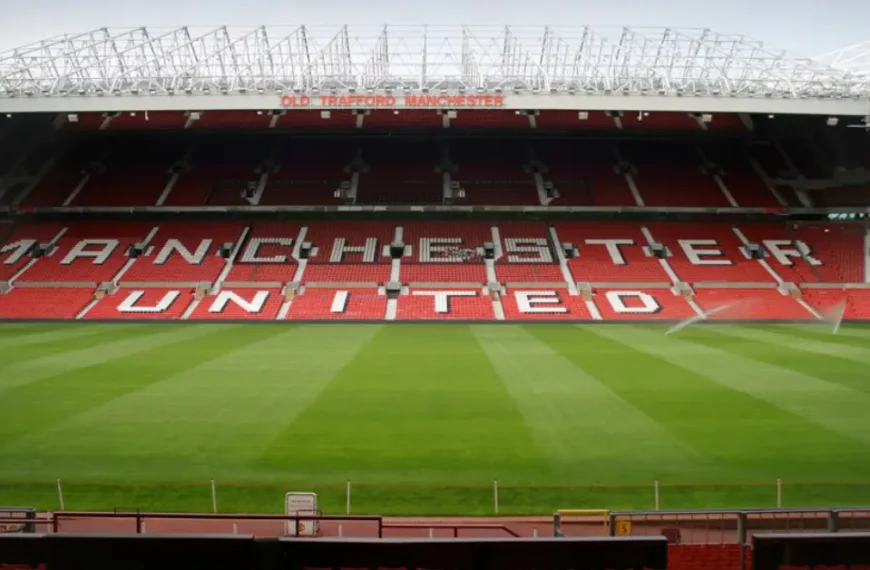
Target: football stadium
pixel 452 284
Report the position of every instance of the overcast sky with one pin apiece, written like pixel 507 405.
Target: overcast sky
pixel 804 27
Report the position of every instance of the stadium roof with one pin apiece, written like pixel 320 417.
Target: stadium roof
pixel 853 59
pixel 583 68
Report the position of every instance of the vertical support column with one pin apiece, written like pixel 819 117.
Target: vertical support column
pixel 867 256
pixel 542 193
pixel 779 493
pixel 446 190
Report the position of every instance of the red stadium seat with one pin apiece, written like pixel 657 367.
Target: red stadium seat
pixel 338 304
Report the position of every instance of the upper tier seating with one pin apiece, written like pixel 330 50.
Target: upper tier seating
pixel 742 182
pixel 670 175
pixel 215 170
pixel 493 173
pixel 218 174
pixel 584 174
pixel 136 174
pixel 404 175
pixel 67 173
pixel 308 174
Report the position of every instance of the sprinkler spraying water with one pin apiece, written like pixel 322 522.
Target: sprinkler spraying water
pixel 834 316
pixel 692 320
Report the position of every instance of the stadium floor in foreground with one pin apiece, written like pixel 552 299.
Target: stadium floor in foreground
pixel 422 419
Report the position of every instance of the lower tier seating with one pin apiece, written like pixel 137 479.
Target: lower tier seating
pixel 439 304
pixel 543 304
pixel 44 302
pixel 369 273
pixel 529 273
pixel 444 273
pixel 150 304
pixel 426 303
pixel 338 304
pixel 628 303
pixel 850 303
pixel 750 304
pixel 248 304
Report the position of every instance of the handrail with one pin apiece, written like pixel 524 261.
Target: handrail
pixel 455 527
pixel 58 516
pixel 749 511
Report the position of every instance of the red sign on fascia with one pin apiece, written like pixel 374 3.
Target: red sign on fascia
pixel 387 101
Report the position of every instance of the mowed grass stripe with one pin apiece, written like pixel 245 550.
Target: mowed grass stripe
pixel 10 338
pixel 10 330
pixel 53 399
pixel 419 404
pixel 784 423
pixel 589 433
pixel 835 403
pixel 695 399
pixel 211 420
pixel 845 365
pixel 125 342
pixel 855 336
pixel 35 346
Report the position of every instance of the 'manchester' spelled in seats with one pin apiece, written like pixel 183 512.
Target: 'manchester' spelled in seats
pixel 340 270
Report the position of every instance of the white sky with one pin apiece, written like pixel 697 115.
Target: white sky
pixel 806 28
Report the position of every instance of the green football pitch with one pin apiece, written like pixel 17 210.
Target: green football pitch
pixel 423 419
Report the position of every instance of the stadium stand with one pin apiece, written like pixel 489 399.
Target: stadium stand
pixel 184 253
pixel 742 303
pixel 44 302
pixel 708 253
pixel 146 303
pixel 338 304
pixel 274 212
pixel 584 174
pixel 266 256
pixel 616 304
pixel 308 174
pixel 704 267
pixel 87 253
pixel 429 304
pixel 254 304
pixel 492 198
pixel 545 304
pixel 610 253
